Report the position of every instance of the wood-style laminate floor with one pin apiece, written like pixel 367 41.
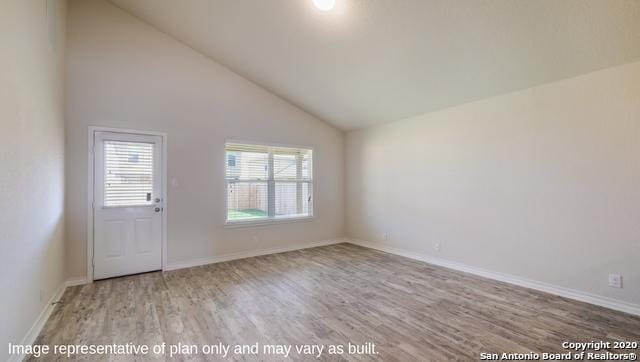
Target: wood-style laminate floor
pixel 329 295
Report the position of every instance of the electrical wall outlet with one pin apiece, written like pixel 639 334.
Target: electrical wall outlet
pixel 436 247
pixel 385 236
pixel 615 280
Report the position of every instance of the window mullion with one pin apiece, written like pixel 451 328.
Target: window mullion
pixel 271 187
pixel 299 201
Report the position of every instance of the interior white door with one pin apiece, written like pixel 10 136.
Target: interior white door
pixel 127 204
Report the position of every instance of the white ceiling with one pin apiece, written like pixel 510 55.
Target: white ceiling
pixel 373 61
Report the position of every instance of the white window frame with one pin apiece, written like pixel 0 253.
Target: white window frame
pixel 268 220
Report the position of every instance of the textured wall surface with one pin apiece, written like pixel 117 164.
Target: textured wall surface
pixel 32 162
pixel 124 73
pixel 541 184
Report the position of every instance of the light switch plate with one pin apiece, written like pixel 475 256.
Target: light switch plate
pixel 615 280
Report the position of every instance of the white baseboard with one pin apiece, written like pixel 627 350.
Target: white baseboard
pixel 249 254
pixel 36 328
pixel 610 303
pixel 227 257
pixel 72 282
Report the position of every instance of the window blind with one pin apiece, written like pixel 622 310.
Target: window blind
pixel 268 182
pixel 128 170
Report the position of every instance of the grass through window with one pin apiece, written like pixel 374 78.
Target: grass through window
pixel 246 214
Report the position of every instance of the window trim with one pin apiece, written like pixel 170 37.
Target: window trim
pixel 269 220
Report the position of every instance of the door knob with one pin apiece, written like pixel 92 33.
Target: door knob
pixel 157 209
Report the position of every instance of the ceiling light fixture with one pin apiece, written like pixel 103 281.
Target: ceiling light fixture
pixel 324 5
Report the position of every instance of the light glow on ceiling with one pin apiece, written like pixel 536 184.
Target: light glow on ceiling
pixel 324 5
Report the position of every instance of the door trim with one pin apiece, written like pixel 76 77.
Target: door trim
pixel 90 190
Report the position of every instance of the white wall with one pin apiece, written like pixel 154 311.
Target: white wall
pixel 543 183
pixel 124 73
pixel 31 162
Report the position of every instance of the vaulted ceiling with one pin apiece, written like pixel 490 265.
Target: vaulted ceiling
pixel 372 61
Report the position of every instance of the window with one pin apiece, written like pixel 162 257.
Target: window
pixel 268 183
pixel 128 173
pixel 231 160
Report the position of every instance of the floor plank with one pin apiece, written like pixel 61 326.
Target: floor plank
pixel 329 295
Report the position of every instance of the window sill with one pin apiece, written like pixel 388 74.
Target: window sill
pixel 265 222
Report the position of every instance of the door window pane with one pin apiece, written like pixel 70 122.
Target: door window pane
pixel 128 173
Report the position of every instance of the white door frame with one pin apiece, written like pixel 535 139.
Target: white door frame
pixel 91 194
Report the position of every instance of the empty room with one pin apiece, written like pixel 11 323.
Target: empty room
pixel 300 180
